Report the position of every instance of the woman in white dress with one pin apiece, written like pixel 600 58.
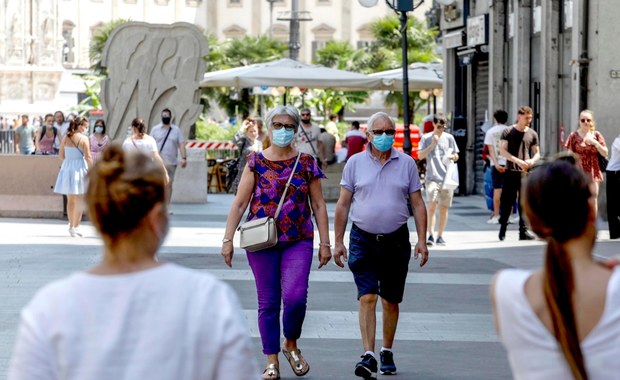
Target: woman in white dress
pixel 141 141
pixel 74 152
pixel 132 316
pixel 561 321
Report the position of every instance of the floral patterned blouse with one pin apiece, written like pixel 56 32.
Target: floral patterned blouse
pixel 588 155
pixel 294 222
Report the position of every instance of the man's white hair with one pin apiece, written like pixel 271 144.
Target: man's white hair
pixel 379 116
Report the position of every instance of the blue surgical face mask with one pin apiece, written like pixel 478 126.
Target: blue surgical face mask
pixel 283 137
pixel 98 129
pixel 383 142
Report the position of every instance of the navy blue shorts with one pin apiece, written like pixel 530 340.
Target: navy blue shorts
pixel 380 263
pixel 497 178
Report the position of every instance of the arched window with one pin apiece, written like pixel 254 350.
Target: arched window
pixel 68 54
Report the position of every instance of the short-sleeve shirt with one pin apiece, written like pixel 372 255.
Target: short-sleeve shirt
pixel 355 140
pixel 435 166
pixel 146 144
pixel 520 144
pixel 588 154
pixel 170 151
pixel 492 137
pixel 308 140
pixel 380 191
pixel 25 137
pixel 294 222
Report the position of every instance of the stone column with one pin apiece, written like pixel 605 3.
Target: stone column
pixel 497 87
pixel 521 53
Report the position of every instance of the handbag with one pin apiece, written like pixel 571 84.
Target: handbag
pixel 261 233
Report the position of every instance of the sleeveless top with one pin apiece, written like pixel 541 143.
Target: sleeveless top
pixel 46 144
pixel 97 147
pixel 533 351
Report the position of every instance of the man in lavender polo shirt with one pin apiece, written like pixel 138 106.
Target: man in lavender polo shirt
pixel 376 186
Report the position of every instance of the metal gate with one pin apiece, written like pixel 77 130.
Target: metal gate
pixel 481 101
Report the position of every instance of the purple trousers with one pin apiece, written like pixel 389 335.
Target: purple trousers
pixel 281 274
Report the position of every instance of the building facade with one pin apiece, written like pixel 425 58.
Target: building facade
pixel 42 41
pixel 557 56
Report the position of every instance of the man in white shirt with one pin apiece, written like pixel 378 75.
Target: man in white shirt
pixel 498 162
pixel 169 142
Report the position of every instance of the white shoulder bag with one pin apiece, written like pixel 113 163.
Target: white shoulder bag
pixel 262 233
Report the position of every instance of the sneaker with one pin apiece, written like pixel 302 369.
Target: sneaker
pixel 430 241
pixel 72 232
pixel 367 368
pixel 440 241
pixel 525 235
pixel 514 219
pixel 387 360
pixel 493 220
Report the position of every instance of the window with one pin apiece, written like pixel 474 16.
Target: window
pixel 235 3
pixel 68 55
pixel 323 2
pixel 316 45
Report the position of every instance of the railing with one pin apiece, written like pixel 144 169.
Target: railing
pixel 7 142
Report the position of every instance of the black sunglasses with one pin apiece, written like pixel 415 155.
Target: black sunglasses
pixel 305 114
pixel 288 127
pixel 379 132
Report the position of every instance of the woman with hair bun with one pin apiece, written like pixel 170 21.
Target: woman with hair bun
pixel 141 141
pixel 74 152
pixel 561 321
pixel 132 316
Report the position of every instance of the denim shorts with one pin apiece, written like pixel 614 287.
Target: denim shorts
pixel 380 263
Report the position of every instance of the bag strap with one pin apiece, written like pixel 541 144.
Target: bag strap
pixel 288 183
pixel 77 145
pixel 310 142
pixel 165 139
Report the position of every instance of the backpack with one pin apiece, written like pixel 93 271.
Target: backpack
pixel 43 132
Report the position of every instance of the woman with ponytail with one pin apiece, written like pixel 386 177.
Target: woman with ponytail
pixel 132 316
pixel 562 321
pixel 141 141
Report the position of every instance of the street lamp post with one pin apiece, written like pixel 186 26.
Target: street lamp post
pixel 271 17
pixel 402 7
pixel 295 17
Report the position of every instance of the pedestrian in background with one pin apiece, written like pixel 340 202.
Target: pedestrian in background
pixel 170 142
pixel 498 162
pixel 24 137
pixel 132 316
pixel 355 139
pixel 440 150
pixel 99 140
pixel 247 142
pixel 561 321
pixel 140 140
pixel 71 181
pixel 328 146
pixel 587 143
pixel 47 139
pixel 282 272
pixel 60 123
pixel 376 187
pixel 307 137
pixel 519 145
pixel 613 190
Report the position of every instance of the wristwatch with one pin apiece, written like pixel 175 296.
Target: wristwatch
pixel 226 240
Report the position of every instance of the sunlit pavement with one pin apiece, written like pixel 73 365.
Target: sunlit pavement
pixel 445 329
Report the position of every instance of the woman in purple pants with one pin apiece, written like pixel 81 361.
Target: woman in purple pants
pixel 281 272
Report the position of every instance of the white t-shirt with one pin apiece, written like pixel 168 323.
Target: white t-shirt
pixel 533 351
pixel 308 140
pixel 168 322
pixel 146 144
pixel 170 150
pixel 492 137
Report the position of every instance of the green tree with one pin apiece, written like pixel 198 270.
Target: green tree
pixel 97 44
pixel 235 53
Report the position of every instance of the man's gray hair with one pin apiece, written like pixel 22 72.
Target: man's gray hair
pixel 379 116
pixel 287 110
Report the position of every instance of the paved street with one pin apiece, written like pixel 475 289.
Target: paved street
pixel 445 329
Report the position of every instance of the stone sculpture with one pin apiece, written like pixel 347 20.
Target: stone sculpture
pixel 151 67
